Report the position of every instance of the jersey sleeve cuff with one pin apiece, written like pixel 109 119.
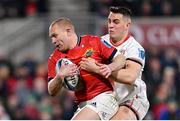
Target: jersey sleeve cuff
pixel 112 54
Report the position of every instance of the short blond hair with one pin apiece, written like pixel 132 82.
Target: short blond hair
pixel 62 22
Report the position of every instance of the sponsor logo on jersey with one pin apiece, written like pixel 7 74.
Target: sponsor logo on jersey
pixel 88 53
pixel 106 43
pixel 141 53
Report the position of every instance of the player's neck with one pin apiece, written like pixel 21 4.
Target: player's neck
pixel 74 42
pixel 120 40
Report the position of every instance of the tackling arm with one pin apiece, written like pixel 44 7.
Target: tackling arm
pixel 128 74
pixel 91 65
pixel 118 62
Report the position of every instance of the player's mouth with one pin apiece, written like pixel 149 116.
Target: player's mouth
pixel 111 31
pixel 58 46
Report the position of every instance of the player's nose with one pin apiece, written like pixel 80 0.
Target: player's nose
pixel 110 25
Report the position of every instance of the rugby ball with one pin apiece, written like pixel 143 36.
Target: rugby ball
pixel 70 82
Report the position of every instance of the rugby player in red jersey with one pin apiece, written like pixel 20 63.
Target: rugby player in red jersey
pixel 96 99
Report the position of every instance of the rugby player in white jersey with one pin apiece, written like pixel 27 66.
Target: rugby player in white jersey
pixel 128 85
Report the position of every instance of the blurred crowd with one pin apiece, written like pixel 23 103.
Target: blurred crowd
pixel 138 7
pixel 23 88
pixel 22 8
pixel 23 93
pixel 161 75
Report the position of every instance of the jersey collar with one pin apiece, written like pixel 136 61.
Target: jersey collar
pixel 120 42
pixel 79 41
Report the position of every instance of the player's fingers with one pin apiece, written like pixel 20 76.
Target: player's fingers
pixel 82 63
pixel 99 64
pixel 84 59
pixel 108 74
pixel 103 72
pixel 82 66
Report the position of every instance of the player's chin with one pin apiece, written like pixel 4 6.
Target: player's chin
pixel 61 49
pixel 112 35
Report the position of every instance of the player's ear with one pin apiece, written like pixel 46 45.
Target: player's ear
pixel 128 23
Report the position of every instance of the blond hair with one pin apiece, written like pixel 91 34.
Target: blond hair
pixel 63 22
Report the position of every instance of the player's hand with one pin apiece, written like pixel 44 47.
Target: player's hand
pixel 105 70
pixel 67 70
pixel 89 64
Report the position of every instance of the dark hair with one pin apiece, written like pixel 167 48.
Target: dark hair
pixel 122 10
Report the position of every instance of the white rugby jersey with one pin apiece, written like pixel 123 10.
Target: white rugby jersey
pixel 134 51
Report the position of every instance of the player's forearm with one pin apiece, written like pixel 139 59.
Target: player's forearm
pixel 118 63
pixel 125 76
pixel 54 86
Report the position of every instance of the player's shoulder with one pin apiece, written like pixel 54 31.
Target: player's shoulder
pixel 90 38
pixel 133 43
pixel 105 37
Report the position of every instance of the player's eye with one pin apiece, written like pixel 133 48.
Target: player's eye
pixel 116 21
pixel 54 36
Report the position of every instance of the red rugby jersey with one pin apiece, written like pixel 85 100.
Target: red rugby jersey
pixel 91 46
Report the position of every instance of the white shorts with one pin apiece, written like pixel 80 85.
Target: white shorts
pixel 138 105
pixel 133 96
pixel 105 105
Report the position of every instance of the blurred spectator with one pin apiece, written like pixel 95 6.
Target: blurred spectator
pixel 170 58
pixel 153 76
pixel 14 108
pixel 31 111
pixel 172 112
pixel 42 6
pixel 100 7
pixel 2 11
pixel 39 88
pixel 159 104
pixel 31 8
pixel 6 69
pixel 22 8
pixel 138 7
pixel 57 112
pixel 167 9
pixel 45 108
pixel 41 70
pixel 146 8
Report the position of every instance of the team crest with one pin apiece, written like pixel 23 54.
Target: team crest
pixel 88 53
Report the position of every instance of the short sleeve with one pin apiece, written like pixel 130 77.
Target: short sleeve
pixel 137 54
pixel 107 51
